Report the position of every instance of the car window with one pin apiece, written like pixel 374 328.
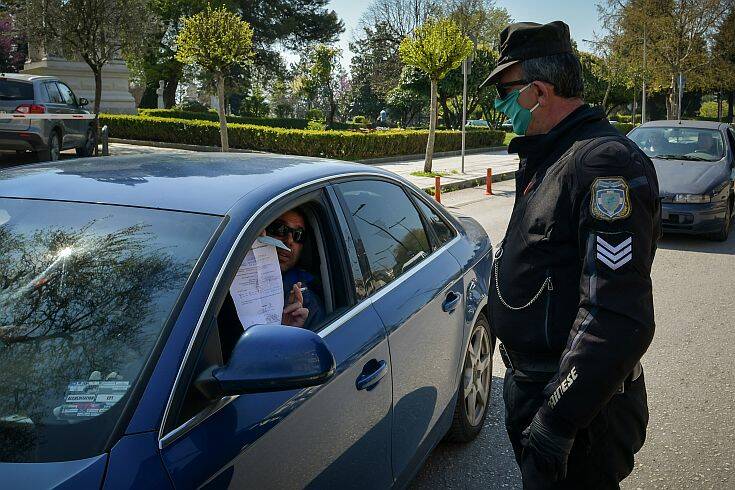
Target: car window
pixel 12 90
pixel 389 227
pixel 731 137
pixel 321 271
pixel 67 94
pixel 85 292
pixel 680 143
pixel 54 96
pixel 442 230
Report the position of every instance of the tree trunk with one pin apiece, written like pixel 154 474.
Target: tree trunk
pixel 604 99
pixel 432 127
pixel 671 101
pixel 730 97
pixel 221 110
pixel 170 88
pixel 332 110
pixel 97 71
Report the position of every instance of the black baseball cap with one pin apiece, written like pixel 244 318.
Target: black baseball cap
pixel 527 40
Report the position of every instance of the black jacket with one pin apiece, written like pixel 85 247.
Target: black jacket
pixel 572 276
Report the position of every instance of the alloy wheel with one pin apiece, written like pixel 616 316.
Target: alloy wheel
pixel 477 373
pixel 55 147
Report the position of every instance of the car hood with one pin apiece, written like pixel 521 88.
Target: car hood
pixel 686 177
pixel 83 473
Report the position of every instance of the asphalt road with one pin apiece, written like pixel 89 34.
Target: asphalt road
pixel 689 372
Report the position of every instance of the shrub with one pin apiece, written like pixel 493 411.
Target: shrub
pixel 314 115
pixel 316 126
pixel 359 120
pixel 624 128
pixel 345 145
pixel 191 106
pixel 285 122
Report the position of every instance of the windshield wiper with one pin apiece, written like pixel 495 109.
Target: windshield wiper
pixel 683 157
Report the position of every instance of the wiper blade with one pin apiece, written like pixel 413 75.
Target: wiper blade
pixel 667 157
pixel 692 158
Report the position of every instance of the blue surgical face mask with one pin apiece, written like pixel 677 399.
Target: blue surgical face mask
pixel 519 116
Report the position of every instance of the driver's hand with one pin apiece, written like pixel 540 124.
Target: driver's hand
pixel 294 314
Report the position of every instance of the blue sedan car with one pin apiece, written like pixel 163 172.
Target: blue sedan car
pixel 121 370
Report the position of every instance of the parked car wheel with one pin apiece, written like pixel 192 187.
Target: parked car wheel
pixel 474 389
pixel 53 152
pixel 724 232
pixel 90 143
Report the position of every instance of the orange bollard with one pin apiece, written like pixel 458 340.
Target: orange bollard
pixel 489 182
pixel 438 188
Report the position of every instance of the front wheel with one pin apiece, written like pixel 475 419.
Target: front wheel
pixel 724 232
pixel 473 399
pixel 90 143
pixel 53 152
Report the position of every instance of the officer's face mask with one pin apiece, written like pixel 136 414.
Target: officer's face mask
pixel 519 116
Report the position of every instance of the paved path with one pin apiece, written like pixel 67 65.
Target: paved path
pixel 476 166
pixel 688 369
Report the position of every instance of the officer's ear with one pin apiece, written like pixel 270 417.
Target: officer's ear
pixel 543 91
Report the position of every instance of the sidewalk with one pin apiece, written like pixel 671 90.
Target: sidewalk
pixel 475 165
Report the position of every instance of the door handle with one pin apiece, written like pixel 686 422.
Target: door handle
pixel 371 375
pixel 451 301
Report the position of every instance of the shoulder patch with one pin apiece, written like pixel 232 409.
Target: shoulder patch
pixel 610 198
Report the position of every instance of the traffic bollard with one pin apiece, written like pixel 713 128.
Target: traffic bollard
pixel 489 182
pixel 105 141
pixel 438 188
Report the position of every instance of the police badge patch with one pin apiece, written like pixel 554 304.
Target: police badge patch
pixel 610 198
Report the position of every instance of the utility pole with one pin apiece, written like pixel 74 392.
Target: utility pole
pixel 681 92
pixel 643 101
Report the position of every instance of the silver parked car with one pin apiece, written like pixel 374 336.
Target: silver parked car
pixel 33 94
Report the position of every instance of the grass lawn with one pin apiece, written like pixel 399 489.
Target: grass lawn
pixel 508 137
pixel 436 173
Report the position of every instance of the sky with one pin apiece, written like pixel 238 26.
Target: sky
pixel 581 15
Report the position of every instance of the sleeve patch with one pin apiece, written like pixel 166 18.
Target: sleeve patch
pixel 614 255
pixel 610 198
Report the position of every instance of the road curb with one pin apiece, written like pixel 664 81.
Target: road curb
pixel 474 182
pixel 420 156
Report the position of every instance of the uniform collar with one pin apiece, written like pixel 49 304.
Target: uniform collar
pixel 543 144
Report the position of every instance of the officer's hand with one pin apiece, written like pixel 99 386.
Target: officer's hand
pixel 545 453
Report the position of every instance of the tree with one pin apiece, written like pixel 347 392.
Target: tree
pixel 724 58
pixel 96 32
pixel 13 48
pixel 216 40
pixel 323 73
pixel 404 105
pixel 436 47
pixel 677 34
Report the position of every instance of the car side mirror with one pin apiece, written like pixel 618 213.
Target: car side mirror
pixel 83 102
pixel 270 358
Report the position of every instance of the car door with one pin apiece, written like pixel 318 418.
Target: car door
pixel 77 127
pixel 57 105
pixel 336 435
pixel 418 294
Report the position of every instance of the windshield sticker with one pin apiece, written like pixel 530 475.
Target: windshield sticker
pixel 92 398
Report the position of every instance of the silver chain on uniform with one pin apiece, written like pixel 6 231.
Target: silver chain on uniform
pixel 546 284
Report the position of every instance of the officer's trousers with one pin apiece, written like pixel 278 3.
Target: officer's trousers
pixel 602 455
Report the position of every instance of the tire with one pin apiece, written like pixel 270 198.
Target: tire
pixel 476 371
pixel 53 152
pixel 90 142
pixel 724 232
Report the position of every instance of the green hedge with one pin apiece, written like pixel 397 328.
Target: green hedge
pixel 624 128
pixel 345 145
pixel 274 122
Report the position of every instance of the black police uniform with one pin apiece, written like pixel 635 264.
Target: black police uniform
pixel 572 302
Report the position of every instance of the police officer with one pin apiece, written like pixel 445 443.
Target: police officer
pixel 571 296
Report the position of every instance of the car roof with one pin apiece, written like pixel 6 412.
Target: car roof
pixel 24 77
pixel 199 182
pixel 684 124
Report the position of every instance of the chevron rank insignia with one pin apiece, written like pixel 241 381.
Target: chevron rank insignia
pixel 614 256
pixel 610 199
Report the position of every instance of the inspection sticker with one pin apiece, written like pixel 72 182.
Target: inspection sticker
pixel 92 398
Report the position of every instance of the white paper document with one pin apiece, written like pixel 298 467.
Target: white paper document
pixel 258 288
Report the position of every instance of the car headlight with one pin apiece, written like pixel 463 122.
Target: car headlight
pixel 692 198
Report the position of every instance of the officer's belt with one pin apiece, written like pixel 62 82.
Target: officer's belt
pixel 543 367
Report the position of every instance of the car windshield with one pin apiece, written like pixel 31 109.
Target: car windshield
pixel 676 143
pixel 12 90
pixel 85 292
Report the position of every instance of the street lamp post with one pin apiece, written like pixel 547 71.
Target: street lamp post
pixel 643 101
pixel 465 70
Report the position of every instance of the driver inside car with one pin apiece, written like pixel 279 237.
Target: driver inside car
pixel 303 306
